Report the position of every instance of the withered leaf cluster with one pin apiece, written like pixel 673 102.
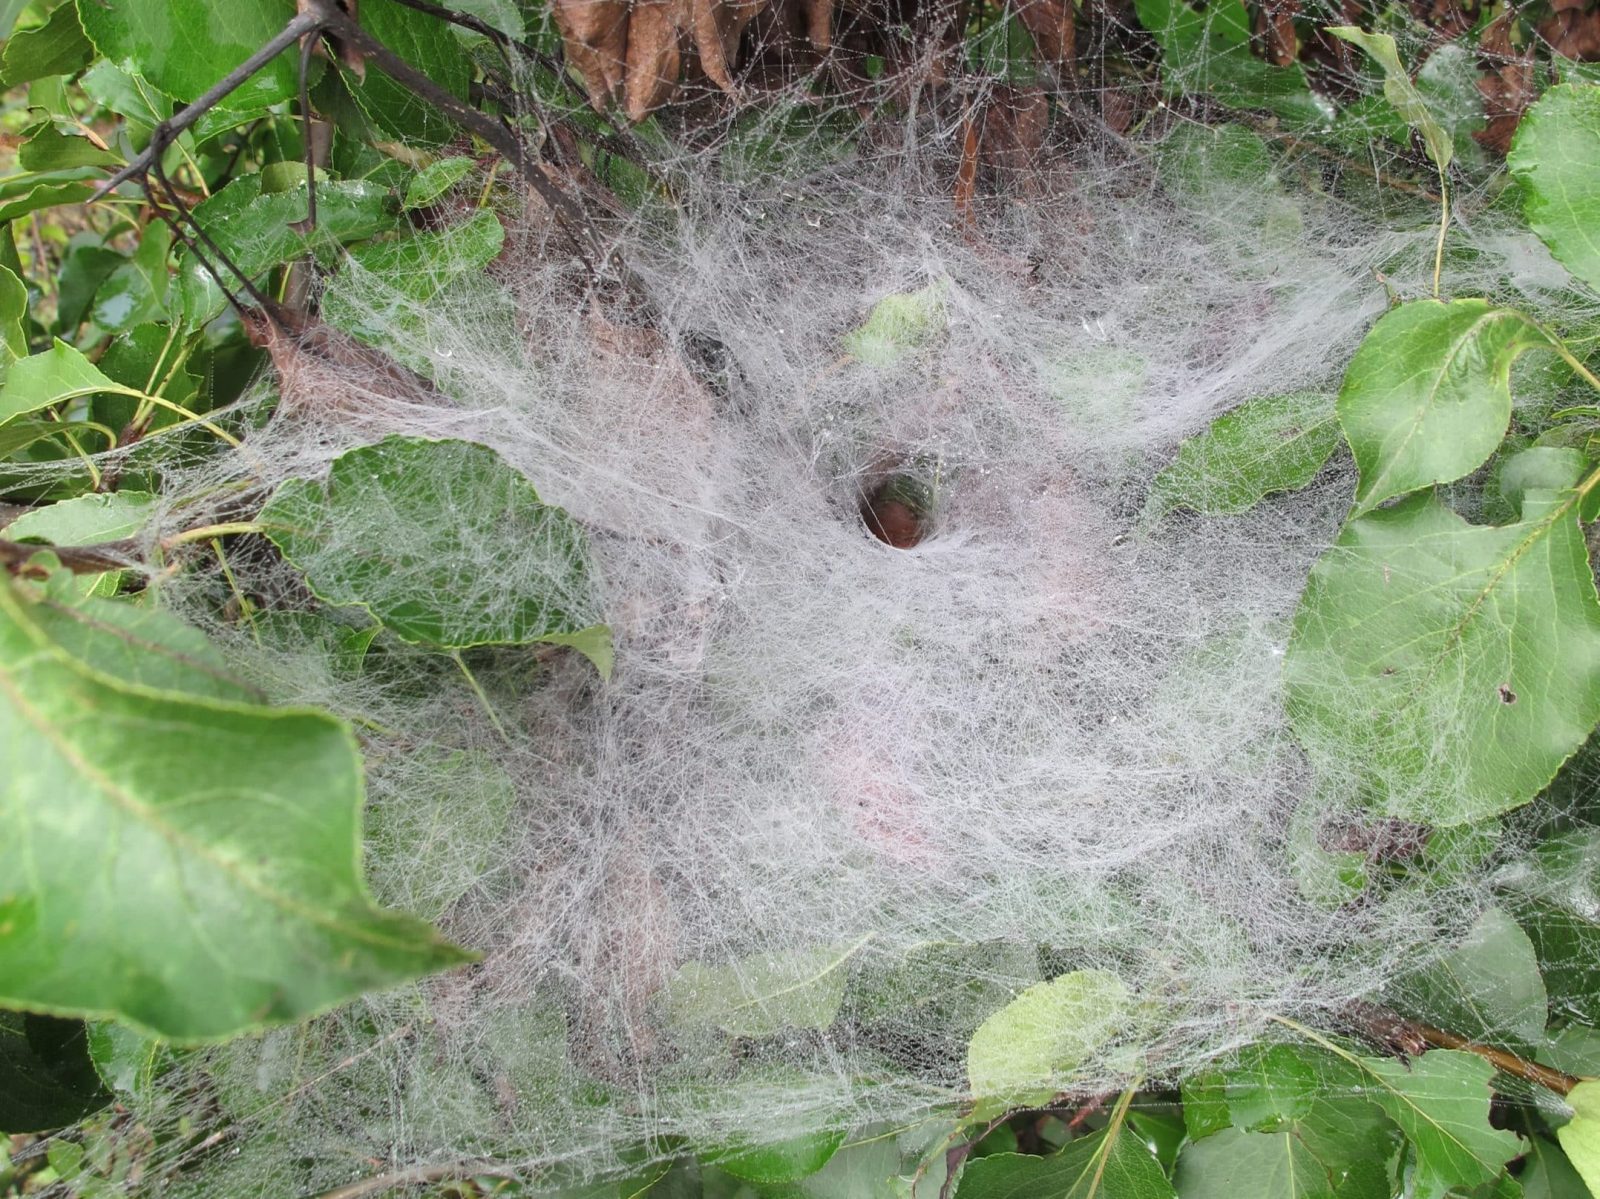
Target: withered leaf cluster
pixel 638 54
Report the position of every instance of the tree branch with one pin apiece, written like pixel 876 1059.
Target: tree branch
pixel 79 559
pixel 167 131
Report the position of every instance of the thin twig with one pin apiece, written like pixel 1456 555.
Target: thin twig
pixel 79 559
pixel 572 219
pixel 300 25
pixel 1392 1030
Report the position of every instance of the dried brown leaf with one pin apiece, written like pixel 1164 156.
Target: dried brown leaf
pixel 595 35
pixel 1050 24
pixel 655 55
pixel 718 26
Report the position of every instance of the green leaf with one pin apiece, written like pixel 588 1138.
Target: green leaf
pixel 54 376
pixel 1538 468
pixel 1109 1164
pixel 445 544
pixel 126 94
pixel 254 230
pixel 786 1161
pixel 759 996
pixel 1427 397
pixel 1402 93
pixel 136 292
pixel 50 149
pixel 127 1060
pixel 186 864
pixel 85 520
pixel 46 194
pixel 1441 1102
pixel 1236 1164
pixel 1553 157
pixel 58 47
pixel 1207 50
pixel 1046 1032
pixel 426 44
pixel 13 319
pixel 1555 892
pixel 185 46
pixel 1549 1175
pixel 1580 1137
pixel 435 179
pixel 1486 988
pixel 419 267
pixel 898 325
pixel 1276 443
pixel 46 1078
pixel 1454 666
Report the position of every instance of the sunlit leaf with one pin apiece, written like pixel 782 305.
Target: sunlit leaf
pixel 1048 1030
pixel 1455 666
pixel 184 863
pixel 1427 397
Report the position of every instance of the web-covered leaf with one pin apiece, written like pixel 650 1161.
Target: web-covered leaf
pixel 1267 445
pixel 1109 1164
pixel 445 544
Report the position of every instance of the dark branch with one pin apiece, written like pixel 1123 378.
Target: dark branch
pixel 79 559
pixel 569 216
pixel 299 26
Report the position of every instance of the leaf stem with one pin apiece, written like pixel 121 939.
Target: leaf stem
pixel 208 532
pixel 477 689
pixel 1444 225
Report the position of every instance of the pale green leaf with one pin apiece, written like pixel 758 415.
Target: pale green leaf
pixel 1235 1164
pixel 1427 397
pixel 899 325
pixel 1580 1137
pixel 51 377
pixel 1453 666
pixel 435 179
pixel 184 863
pixel 1046 1032
pixel 1553 157
pixel 1402 93
pixel 1486 987
pixel 417 532
pixel 759 996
